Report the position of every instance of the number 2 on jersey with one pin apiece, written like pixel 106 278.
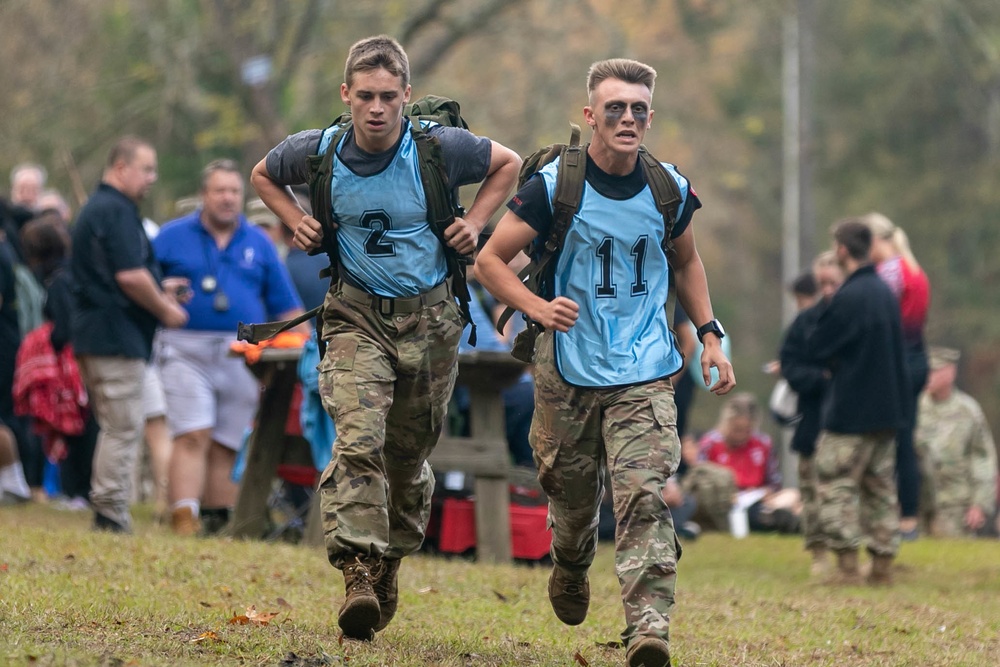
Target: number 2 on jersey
pixel 379 223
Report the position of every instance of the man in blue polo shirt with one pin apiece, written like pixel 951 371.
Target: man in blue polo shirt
pixel 118 303
pixel 235 275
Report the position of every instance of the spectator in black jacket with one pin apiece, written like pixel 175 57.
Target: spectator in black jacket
pixel 809 380
pixel 859 339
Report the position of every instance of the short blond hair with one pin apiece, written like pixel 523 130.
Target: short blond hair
pixel 380 51
pixel 741 404
pixel 624 69
pixel 825 260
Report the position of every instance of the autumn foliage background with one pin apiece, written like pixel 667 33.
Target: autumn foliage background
pixel 905 99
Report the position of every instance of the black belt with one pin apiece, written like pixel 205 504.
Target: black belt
pixel 388 306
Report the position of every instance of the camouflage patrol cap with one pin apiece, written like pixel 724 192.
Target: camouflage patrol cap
pixel 259 214
pixel 939 357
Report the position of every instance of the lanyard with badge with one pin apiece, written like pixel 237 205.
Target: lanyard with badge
pixel 210 282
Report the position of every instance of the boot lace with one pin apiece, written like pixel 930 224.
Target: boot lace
pixel 358 576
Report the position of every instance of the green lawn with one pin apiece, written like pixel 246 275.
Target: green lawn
pixel 72 597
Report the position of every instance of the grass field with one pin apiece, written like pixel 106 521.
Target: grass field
pixel 69 596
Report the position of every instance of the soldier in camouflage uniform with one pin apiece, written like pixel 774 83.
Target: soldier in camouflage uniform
pixel 957 455
pixel 603 398
pixel 859 338
pixel 390 321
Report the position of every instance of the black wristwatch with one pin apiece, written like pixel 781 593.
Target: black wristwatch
pixel 712 327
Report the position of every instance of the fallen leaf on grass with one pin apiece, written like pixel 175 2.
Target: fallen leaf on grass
pixel 580 659
pixel 427 589
pixel 610 644
pixel 69 557
pixel 253 616
pixel 206 636
pixel 284 603
pixel 205 604
pixel 3 567
pixel 500 596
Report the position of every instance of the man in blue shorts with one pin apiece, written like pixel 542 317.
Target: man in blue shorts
pixel 603 396
pixel 390 323
pixel 235 275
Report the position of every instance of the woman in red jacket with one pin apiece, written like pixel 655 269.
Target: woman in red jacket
pixel 896 265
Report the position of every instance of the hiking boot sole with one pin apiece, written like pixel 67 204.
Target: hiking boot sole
pixel 359 617
pixel 649 655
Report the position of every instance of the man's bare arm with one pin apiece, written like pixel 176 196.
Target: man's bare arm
pixel 494 272
pixel 140 287
pixel 692 291
pixel 463 234
pixel 281 201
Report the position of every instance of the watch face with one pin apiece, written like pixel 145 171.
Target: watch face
pixel 714 326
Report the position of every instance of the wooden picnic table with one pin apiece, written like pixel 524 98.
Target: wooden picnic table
pixel 483 454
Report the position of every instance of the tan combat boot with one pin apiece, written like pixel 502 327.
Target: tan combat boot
pixel 386 585
pixel 819 569
pixel 183 522
pixel 648 652
pixel 881 574
pixel 360 612
pixel 847 573
pixel 569 596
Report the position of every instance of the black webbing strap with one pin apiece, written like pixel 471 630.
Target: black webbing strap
pixel 441 213
pixel 565 203
pixel 255 333
pixel 666 194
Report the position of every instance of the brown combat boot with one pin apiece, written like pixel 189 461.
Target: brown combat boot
pixel 569 596
pixel 881 573
pixel 847 573
pixel 183 522
pixel 386 585
pixel 819 569
pixel 648 652
pixel 360 612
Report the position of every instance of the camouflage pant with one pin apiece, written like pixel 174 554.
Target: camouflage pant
pixel 386 381
pixel 713 487
pixel 856 489
pixel 811 529
pixel 949 521
pixel 576 435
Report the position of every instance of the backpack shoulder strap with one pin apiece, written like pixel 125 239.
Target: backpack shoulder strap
pixel 570 177
pixel 320 174
pixel 666 194
pixel 667 197
pixel 442 208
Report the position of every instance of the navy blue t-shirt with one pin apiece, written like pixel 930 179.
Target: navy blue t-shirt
pixel 108 238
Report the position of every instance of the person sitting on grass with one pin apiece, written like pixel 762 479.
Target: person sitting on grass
pixel 738 444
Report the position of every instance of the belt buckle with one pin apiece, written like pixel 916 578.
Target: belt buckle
pixel 383 311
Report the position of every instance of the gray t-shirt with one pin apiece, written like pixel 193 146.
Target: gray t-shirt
pixel 466 156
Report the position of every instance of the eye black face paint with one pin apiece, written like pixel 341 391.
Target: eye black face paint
pixel 614 111
pixel 641 115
